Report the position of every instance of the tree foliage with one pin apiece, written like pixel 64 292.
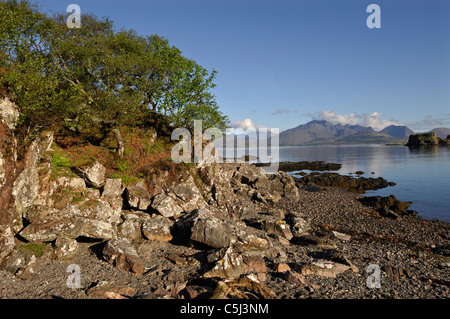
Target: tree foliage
pixel 97 75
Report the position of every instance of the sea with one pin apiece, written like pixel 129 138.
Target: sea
pixel 422 175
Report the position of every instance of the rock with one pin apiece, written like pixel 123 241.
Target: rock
pixel 324 268
pixel 338 257
pixel 166 206
pixel 137 196
pixel 123 255
pixel 112 188
pixel 212 231
pixel 26 186
pixel 7 242
pixel 424 139
pixel 21 263
pixel 340 236
pixel 299 225
pixel 182 259
pixel 9 113
pixel 294 278
pixel 187 195
pixel 49 224
pixel 202 226
pixel 174 281
pixel 246 287
pixel 357 185
pixel 101 210
pixel 96 229
pixel 113 290
pixel 255 264
pixel 66 248
pixel 278 227
pixel 318 241
pixel 305 165
pixel 93 173
pixel 157 228
pixel 198 292
pixel 385 204
pixel 281 267
pixel 131 230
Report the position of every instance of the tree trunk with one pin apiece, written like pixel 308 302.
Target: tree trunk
pixel 120 144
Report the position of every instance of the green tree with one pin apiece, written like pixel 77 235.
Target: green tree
pixel 98 76
pixel 28 69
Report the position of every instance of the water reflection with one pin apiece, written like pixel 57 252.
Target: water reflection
pixel 422 174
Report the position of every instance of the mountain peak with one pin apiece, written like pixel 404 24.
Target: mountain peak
pixel 397 131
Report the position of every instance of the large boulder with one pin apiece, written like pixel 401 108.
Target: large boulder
pixel 48 224
pixel 137 196
pixel 93 173
pixel 157 228
pixel 204 227
pixel 123 255
pixel 226 263
pixel 26 186
pixel 165 205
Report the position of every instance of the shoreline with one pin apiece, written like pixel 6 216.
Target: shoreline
pixel 298 243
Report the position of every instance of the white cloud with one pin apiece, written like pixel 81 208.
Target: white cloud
pixel 373 120
pixel 332 117
pixel 244 125
pixel 370 120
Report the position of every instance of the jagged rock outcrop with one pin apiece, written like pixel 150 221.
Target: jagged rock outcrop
pixel 357 185
pixel 427 139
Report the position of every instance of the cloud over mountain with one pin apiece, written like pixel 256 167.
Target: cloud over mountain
pixel 369 120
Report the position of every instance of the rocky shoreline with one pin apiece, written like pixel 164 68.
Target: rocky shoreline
pixel 219 231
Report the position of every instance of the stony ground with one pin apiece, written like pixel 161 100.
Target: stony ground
pixel 418 248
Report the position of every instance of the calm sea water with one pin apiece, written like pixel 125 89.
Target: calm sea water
pixel 422 175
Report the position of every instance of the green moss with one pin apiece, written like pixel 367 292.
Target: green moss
pixel 36 248
pixel 126 179
pixel 58 160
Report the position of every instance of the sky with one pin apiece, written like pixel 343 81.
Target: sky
pixel 283 63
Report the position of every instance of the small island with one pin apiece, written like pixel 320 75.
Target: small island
pixel 427 139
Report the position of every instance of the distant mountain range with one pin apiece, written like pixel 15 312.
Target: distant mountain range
pixel 323 132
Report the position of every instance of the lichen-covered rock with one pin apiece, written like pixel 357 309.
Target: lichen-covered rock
pixel 187 195
pixel 66 247
pixel 7 242
pixel 137 196
pixel 113 187
pixel 49 224
pixel 324 268
pixel 227 263
pixel 123 255
pixel 9 113
pixel 202 226
pixel 26 186
pixel 166 206
pixel 278 227
pixel 157 228
pixel 93 173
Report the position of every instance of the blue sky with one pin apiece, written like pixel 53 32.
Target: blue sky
pixel 283 63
